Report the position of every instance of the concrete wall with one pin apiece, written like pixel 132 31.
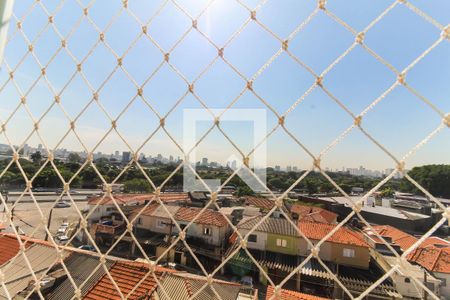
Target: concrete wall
pixel 445 286
pixel 334 252
pixel 261 240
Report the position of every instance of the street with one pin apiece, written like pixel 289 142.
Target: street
pixel 27 217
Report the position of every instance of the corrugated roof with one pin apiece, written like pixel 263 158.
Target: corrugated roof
pixel 290 295
pixel 9 247
pixel 18 274
pixel 156 210
pixel 182 286
pixel 80 267
pixel 127 275
pixel 270 225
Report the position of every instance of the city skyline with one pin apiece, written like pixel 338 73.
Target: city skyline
pixel 316 121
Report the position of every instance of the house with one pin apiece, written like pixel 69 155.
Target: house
pixel 433 254
pixel 278 235
pixel 312 214
pixel 405 285
pixel 289 295
pixel 436 260
pixel 103 206
pixel 344 247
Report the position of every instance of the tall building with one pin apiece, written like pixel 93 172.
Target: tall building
pixel 288 169
pixel 277 168
pixel 204 161
pixel 126 156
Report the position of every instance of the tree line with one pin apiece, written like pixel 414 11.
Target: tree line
pixel 434 178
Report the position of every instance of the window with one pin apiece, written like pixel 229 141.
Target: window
pixel 207 231
pixel 252 238
pixel 349 252
pixel 281 243
pixel 139 221
pixel 407 280
pixel 160 224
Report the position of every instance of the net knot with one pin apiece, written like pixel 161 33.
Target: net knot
pixel 357 121
pixel 321 4
pixel 447 120
pixel 360 37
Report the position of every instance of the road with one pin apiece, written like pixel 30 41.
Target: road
pixel 27 217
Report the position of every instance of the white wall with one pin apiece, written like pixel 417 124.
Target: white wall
pixel 261 239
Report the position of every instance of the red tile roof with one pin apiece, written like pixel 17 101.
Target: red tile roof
pixel 314 214
pixel 344 235
pixel 432 258
pixel 9 247
pixel 435 241
pixel 123 199
pixel 126 275
pixel 403 239
pixel 290 295
pixel 259 202
pixel 208 217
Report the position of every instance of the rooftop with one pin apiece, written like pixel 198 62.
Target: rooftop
pixel 403 239
pixel 259 202
pixel 126 275
pixel 207 217
pixel 380 210
pixel 270 225
pixel 290 295
pixel 314 214
pixel 344 235
pixel 9 247
pixel 432 258
pixel 182 286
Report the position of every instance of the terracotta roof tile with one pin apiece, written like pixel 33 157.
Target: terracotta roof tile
pixel 259 202
pixel 403 239
pixel 314 214
pixel 432 258
pixel 344 235
pixel 126 275
pixel 290 295
pixel 208 217
pixel 9 247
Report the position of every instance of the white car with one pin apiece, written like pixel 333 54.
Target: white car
pixel 62 239
pixel 64 224
pixel 61 230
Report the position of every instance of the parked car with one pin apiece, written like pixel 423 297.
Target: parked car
pixel 62 204
pixel 64 224
pixel 61 230
pixel 62 239
pixel 247 282
pixel 87 247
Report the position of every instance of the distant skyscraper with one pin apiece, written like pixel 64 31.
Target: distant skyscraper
pixel 126 156
pixel 288 169
pixel 171 158
pixel 277 168
pixel 204 161
pixel 295 169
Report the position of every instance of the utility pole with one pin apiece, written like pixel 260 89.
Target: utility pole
pixel 48 223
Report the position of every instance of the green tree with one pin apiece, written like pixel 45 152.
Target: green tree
pixel 36 157
pixel 74 158
pixel 137 186
pixel 244 191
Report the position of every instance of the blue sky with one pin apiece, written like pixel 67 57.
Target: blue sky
pixel 399 121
